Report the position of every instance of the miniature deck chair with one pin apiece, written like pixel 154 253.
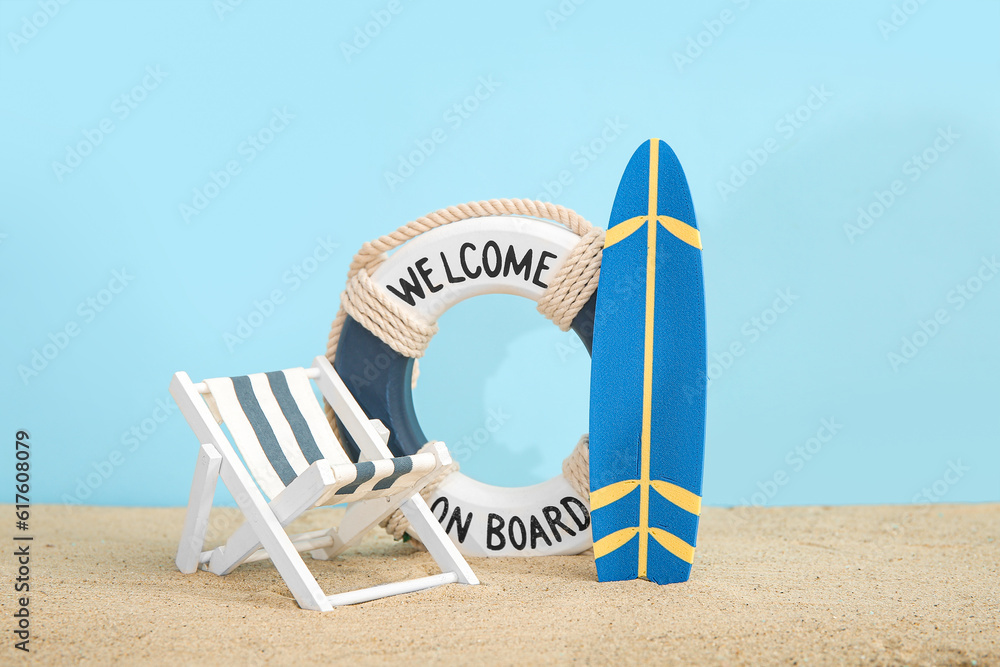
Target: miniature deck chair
pixel 289 449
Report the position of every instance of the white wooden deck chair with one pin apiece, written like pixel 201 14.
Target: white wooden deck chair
pixel 290 451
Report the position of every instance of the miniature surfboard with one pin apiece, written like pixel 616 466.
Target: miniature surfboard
pixel 647 392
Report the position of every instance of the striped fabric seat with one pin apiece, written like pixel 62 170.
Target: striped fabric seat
pixel 281 459
pixel 280 430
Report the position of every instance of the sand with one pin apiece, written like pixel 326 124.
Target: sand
pixel 798 585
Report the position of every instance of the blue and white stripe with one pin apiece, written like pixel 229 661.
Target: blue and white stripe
pixel 280 430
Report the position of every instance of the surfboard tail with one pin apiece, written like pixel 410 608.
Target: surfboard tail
pixel 663 566
pixel 670 534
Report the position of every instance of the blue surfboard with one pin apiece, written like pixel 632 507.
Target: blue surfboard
pixel 647 391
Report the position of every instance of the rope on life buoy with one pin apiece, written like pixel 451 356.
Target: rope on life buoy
pixel 409 335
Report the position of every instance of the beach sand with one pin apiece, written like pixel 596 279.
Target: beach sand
pixel 790 585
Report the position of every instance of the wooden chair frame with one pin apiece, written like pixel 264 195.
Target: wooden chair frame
pixel 263 534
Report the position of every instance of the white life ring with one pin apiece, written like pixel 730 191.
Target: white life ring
pixel 426 276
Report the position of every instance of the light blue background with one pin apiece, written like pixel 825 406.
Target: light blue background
pixel 560 83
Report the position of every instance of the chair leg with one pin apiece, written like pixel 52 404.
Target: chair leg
pixel 299 496
pixel 427 528
pixel 439 545
pixel 206 473
pixel 363 515
pixel 279 547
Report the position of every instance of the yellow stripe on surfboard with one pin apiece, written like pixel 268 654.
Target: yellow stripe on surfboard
pixel 609 543
pixel 679 496
pixel 623 230
pixel 673 544
pixel 681 230
pixel 647 372
pixel 678 228
pixel 668 541
pixel 611 493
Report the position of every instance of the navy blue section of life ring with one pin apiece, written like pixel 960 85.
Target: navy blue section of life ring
pixel 380 379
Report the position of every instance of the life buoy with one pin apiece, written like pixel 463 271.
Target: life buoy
pixel 426 276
